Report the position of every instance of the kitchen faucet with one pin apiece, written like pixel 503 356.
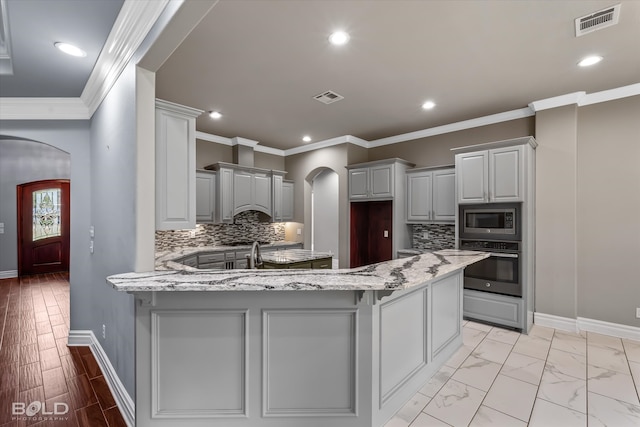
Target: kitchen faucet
pixel 255 259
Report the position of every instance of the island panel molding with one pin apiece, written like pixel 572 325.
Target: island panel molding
pixel 313 349
pixel 214 338
pixel 402 354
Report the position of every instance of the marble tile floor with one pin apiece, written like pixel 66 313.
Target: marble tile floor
pixel 37 365
pixel 549 378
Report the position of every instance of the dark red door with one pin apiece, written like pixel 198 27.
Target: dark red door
pixel 371 238
pixel 43 226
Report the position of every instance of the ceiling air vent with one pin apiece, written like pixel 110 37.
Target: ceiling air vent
pixel 328 97
pixel 598 20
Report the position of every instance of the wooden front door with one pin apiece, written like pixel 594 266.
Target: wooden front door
pixel 43 226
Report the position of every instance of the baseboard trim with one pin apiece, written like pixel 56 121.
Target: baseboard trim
pixel 588 325
pixel 120 394
pixel 556 322
pixel 8 274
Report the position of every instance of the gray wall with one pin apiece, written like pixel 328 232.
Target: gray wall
pixel 436 150
pixel 113 207
pixel 608 207
pixel 72 137
pixel 23 161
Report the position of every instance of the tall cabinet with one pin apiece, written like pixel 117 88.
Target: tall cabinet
pixel 175 166
pixel 498 172
pixel 377 221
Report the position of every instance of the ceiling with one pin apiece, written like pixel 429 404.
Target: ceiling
pixel 41 70
pixel 261 62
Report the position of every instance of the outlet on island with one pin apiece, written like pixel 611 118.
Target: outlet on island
pixel 425 234
pixel 638 313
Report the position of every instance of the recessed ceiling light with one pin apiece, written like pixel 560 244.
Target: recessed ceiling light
pixel 215 115
pixel 339 38
pixel 306 138
pixel 70 49
pixel 590 60
pixel 428 105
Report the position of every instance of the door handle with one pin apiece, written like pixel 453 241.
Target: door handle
pixel 499 255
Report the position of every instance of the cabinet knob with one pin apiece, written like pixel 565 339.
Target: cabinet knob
pixel 488 285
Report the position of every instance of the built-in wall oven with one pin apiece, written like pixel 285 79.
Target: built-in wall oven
pixel 493 228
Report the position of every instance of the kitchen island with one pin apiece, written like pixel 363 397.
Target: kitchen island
pixel 297 258
pixel 303 348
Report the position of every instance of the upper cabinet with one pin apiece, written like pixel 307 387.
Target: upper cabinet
pixel 205 196
pixel 282 197
pixel 494 175
pixel 242 188
pixel 371 182
pixel 175 166
pixel 431 195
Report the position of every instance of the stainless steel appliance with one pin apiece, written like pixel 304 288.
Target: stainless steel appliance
pixel 501 273
pixel 491 221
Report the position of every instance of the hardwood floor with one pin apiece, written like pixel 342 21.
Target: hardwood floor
pixel 37 366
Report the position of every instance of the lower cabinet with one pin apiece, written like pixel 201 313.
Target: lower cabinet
pixel 495 308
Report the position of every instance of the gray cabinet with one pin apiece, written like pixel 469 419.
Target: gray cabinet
pixel 374 182
pixel 241 189
pixel 224 195
pixel 494 175
pixel 430 195
pixel 205 196
pixel 495 308
pixel 282 198
pixel 287 201
pixel 175 166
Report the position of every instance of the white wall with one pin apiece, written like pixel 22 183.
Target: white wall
pixel 325 212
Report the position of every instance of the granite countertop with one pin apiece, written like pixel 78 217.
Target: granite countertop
pixel 168 260
pixel 290 256
pixel 396 274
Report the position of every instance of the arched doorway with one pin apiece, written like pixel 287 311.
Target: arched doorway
pixel 23 161
pixel 325 213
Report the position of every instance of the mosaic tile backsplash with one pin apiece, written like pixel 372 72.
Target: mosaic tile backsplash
pixel 441 236
pixel 247 227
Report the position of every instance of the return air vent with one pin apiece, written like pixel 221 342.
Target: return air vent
pixel 328 97
pixel 598 20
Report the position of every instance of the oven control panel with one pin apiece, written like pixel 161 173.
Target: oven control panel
pixel 493 245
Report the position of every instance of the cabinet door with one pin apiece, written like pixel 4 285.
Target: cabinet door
pixel 242 191
pixel 381 181
pixel 175 171
pixel 444 195
pixel 419 198
pixel 506 174
pixel 205 196
pixel 359 183
pixel 277 198
pixel 471 176
pixel 287 201
pixel 262 193
pixel 225 196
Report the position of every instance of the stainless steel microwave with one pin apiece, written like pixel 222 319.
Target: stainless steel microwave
pixel 499 221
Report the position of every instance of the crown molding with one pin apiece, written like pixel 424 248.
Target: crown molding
pixel 610 95
pixel 557 101
pixel 213 138
pixel 43 109
pixel 269 150
pixel 454 127
pixel 129 30
pixel 320 144
pixel 237 140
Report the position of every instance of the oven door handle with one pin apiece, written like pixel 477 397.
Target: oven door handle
pixel 499 255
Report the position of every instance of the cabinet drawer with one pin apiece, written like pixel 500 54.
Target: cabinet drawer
pixel 213 265
pixel 495 308
pixel 321 263
pixel 301 265
pixel 190 261
pixel 211 257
